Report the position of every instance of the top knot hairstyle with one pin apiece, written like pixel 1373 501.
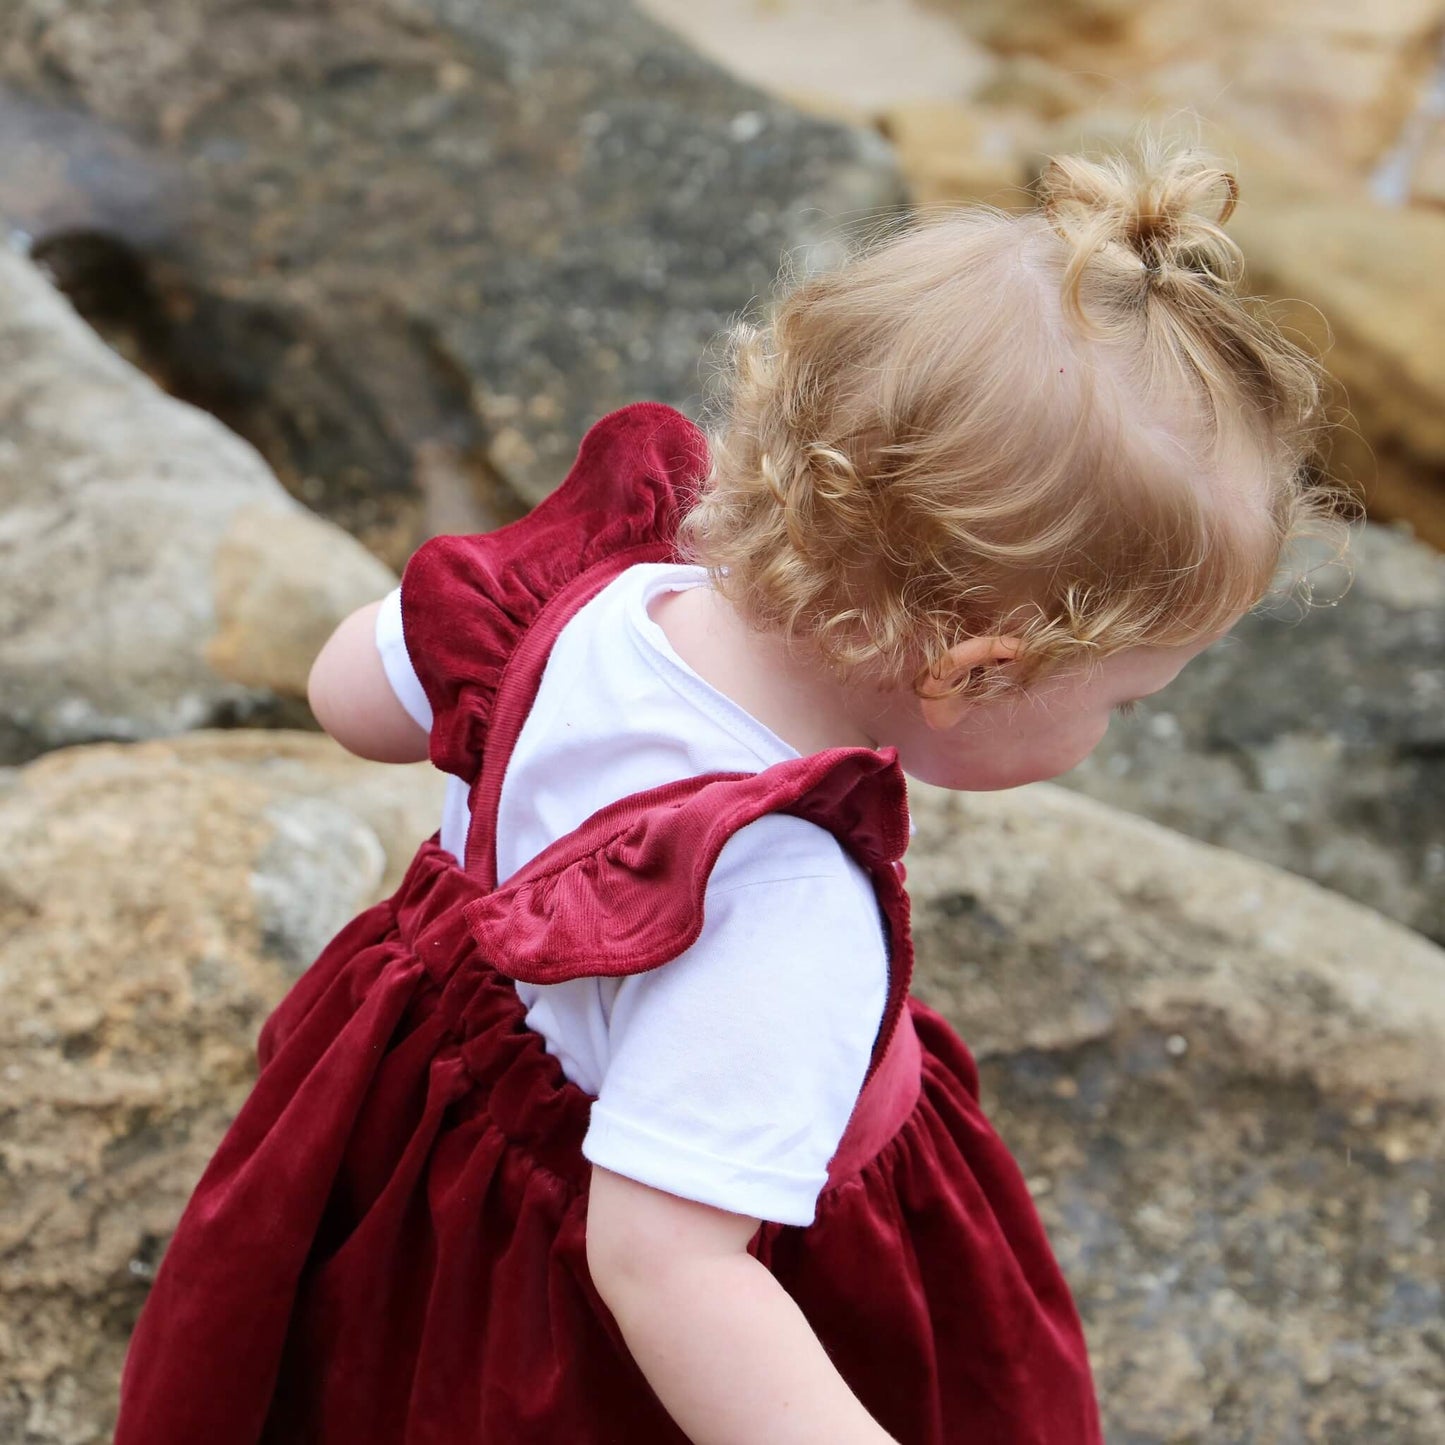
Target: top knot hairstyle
pixel 1149 224
pixel 1066 427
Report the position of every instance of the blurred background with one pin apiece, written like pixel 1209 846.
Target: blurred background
pixel 290 285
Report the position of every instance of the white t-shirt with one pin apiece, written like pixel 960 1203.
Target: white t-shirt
pixel 727 1075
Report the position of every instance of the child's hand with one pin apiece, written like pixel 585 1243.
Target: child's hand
pixel 728 1352
pixel 352 699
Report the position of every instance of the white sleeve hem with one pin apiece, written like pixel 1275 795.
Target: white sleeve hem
pixel 396 662
pixel 625 1148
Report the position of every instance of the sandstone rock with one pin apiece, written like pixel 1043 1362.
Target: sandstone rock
pixel 1313 741
pixel 1027 83
pixel 1427 180
pixel 1222 1084
pixel 953 154
pixel 1335 80
pixel 157 578
pixel 400 228
pixel 1057 27
pixel 864 56
pixel 282 580
pixel 1361 283
pixel 155 901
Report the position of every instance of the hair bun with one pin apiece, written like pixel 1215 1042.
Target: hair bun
pixel 1160 211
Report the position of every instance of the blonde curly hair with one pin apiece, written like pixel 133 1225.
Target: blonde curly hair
pixel 1065 427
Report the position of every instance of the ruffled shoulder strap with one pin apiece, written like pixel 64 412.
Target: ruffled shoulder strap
pixel 624 893
pixel 467 602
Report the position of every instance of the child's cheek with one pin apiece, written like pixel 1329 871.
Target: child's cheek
pixel 1065 748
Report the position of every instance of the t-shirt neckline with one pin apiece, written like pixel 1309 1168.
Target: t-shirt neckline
pixel 653 645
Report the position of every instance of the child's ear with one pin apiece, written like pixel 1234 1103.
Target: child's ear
pixel 945 694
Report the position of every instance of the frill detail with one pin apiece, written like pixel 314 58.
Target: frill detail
pixel 466 601
pixel 624 893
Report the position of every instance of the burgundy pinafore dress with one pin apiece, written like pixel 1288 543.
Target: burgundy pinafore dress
pixel 389 1245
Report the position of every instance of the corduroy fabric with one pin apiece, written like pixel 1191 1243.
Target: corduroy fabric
pixel 389 1245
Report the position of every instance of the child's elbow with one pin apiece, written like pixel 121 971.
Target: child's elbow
pixel 625 1271
pixel 612 1260
pixel 316 698
pixel 324 694
pixel 352 699
pixel 644 1244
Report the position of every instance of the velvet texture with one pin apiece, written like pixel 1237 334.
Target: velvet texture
pixel 389 1245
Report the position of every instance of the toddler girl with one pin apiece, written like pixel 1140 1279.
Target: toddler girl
pixel 616 1123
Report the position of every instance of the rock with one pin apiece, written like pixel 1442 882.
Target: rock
pixel 157 576
pixel 1427 179
pixel 1334 81
pixel 1360 284
pixel 836 56
pixel 1027 83
pixel 408 231
pixel 282 580
pixel 1222 1084
pixel 1315 742
pixel 953 154
pixel 155 902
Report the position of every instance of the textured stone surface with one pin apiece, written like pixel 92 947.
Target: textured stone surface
pixel 1223 1085
pixel 1362 285
pixel 868 55
pixel 954 154
pixel 1427 176
pixel 1333 80
pixel 415 247
pixel 155 901
pixel 157 577
pixel 1315 741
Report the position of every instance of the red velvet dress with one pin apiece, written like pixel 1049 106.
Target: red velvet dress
pixel 388 1246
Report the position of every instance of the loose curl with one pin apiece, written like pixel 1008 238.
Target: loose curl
pixel 1066 427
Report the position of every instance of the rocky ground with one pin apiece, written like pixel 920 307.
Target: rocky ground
pixel 155 901
pixel 1220 1082
pixel 1312 739
pixel 408 249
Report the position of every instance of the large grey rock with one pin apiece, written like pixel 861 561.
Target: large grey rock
pixel 413 248
pixel 155 901
pixel 1223 1085
pixel 157 576
pixel 1315 741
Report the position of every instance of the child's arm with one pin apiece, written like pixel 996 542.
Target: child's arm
pixel 352 699
pixel 729 1353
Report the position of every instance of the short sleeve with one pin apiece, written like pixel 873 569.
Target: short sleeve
pixel 397 663
pixel 734 1069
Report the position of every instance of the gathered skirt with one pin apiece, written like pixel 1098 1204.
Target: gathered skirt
pixel 389 1245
